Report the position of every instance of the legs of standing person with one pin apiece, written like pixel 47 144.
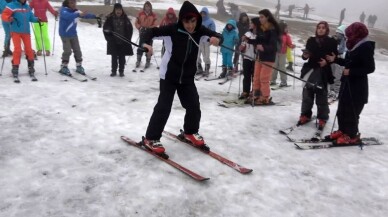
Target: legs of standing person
pixel 46 39
pixel 114 64
pixel 224 62
pixel 275 71
pixel 322 107
pixel 66 45
pixel 348 118
pixel 229 62
pixel 308 95
pixel 77 54
pixel 206 57
pixel 264 79
pixel 161 111
pixel 248 66
pixel 121 64
pixel 256 80
pixel 337 72
pixel 188 95
pixel 282 66
pixel 199 59
pixel 7 39
pixel 140 51
pixel 38 38
pixel 17 40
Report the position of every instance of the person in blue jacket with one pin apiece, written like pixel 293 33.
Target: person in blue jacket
pixel 230 36
pixel 204 47
pixel 6 26
pixel 68 32
pixel 18 14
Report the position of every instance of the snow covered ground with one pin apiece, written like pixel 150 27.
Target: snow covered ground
pixel 61 153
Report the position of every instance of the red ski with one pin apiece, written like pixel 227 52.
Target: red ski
pixel 165 159
pixel 207 151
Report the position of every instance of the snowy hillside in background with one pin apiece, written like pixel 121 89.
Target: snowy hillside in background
pixel 61 153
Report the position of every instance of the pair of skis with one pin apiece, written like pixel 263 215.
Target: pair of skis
pixel 206 150
pixel 317 142
pixel 79 79
pixel 17 80
pixel 243 103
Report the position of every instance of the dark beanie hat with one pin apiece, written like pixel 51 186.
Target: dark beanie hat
pixel 117 6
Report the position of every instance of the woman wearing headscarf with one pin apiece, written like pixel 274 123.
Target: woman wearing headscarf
pixel 359 62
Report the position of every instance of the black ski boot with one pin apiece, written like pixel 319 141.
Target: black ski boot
pixel 199 69
pixel 31 70
pixel 223 73
pixel 15 73
pixel 289 67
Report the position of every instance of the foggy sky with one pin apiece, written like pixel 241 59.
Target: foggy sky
pixel 332 8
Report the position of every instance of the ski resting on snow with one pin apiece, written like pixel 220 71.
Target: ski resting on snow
pixel 166 159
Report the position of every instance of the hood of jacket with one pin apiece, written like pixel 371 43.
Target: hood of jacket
pixel 189 8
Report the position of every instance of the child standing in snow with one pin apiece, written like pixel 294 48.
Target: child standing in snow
pixel 40 7
pixel 282 56
pixel 68 32
pixel 6 26
pixel 18 14
pixel 177 72
pixel 145 19
pixel 118 22
pixel 353 95
pixel 230 36
pixel 317 71
pixel 249 57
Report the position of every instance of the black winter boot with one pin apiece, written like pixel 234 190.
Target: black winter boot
pixel 199 69
pixel 289 67
pixel 223 73
pixel 31 69
pixel 15 70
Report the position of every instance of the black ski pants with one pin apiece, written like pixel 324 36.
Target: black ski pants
pixel 189 98
pixel 118 61
pixel 348 117
pixel 248 66
pixel 320 95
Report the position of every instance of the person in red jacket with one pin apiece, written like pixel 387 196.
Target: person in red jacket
pixel 145 19
pixel 40 8
pixel 168 19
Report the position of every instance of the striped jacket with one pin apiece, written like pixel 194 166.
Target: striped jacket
pixel 22 16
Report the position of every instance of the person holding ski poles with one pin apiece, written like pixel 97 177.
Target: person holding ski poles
pixel 359 62
pixel 177 72
pixel 19 15
pixel 117 23
pixel 40 7
pixel 249 57
pixel 6 26
pixel 266 43
pixel 68 32
pixel 317 71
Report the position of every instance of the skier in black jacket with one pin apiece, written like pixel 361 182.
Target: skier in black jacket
pixel 353 95
pixel 177 72
pixel 317 71
pixel 118 22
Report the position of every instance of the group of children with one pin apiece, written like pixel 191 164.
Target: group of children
pixel 264 44
pixel 16 17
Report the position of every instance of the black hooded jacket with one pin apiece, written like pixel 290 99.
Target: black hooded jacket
pixel 179 62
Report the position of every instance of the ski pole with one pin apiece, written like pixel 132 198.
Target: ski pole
pixel 127 41
pixel 44 56
pixel 265 64
pixel 293 82
pixel 55 27
pixel 215 71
